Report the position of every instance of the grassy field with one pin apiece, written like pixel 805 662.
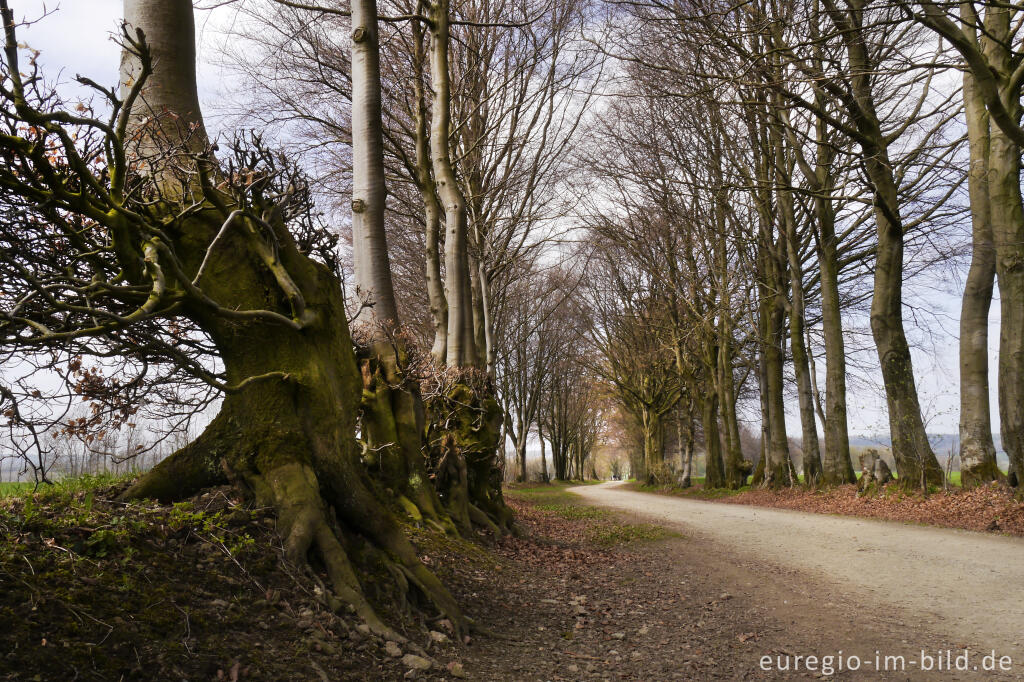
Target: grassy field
pixel 13 488
pixel 63 487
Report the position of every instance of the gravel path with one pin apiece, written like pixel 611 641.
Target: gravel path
pixel 960 585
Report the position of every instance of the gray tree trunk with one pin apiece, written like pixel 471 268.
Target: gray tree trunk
pixel 431 206
pixel 369 194
pixel 915 460
pixel 461 349
pixel 809 427
pixel 714 474
pixel 977 450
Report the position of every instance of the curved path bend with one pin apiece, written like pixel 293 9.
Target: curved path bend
pixel 965 586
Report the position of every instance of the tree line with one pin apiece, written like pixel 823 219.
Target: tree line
pixel 431 228
pixel 771 170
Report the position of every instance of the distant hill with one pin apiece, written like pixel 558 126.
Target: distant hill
pixel 942 443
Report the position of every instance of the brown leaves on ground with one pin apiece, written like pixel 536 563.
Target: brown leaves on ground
pixel 985 508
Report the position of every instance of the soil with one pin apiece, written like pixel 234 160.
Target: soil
pixel 860 584
pixel 95 590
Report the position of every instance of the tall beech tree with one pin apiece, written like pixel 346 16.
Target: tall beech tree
pixel 987 37
pixel 155 229
pixel 392 410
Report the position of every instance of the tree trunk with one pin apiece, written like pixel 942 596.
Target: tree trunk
pixel 438 302
pixel 757 478
pixel 1008 230
pixel 837 464
pixel 392 410
pixel 977 450
pixel 809 427
pixel 801 368
pixel 915 460
pixel 654 454
pixel 735 474
pixel 777 464
pixel 684 433
pixel 519 438
pixel 369 242
pixel 461 350
pixel 543 456
pixel 714 474
pixel 288 435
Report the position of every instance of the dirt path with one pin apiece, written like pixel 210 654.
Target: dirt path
pixel 958 586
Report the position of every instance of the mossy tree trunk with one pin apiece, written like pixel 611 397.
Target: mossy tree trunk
pixel 777 465
pixel 288 436
pixel 471 417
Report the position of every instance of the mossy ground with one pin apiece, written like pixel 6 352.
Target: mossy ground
pixel 96 589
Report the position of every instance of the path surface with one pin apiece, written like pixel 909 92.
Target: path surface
pixel 964 587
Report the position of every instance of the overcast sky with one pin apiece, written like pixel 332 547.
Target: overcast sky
pixel 78 38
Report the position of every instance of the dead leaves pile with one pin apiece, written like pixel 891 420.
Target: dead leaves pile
pixel 986 508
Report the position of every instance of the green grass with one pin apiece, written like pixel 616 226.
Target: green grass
pixel 604 527
pixel 543 495
pixel 64 488
pixel 573 511
pixel 620 534
pixel 554 493
pixel 15 487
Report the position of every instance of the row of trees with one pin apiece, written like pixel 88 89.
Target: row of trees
pixel 147 267
pixel 545 208
pixel 770 170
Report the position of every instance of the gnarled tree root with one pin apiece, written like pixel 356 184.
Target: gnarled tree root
pixel 293 489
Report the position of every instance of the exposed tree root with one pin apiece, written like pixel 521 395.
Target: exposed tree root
pixel 392 419
pixel 293 489
pixel 482 519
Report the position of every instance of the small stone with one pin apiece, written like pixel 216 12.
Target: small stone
pixel 364 629
pixel 415 662
pixel 393 650
pixel 725 596
pixel 636 655
pixel 455 669
pixel 613 652
pixel 643 631
pixel 439 637
pixel 573 668
pixel 618 635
